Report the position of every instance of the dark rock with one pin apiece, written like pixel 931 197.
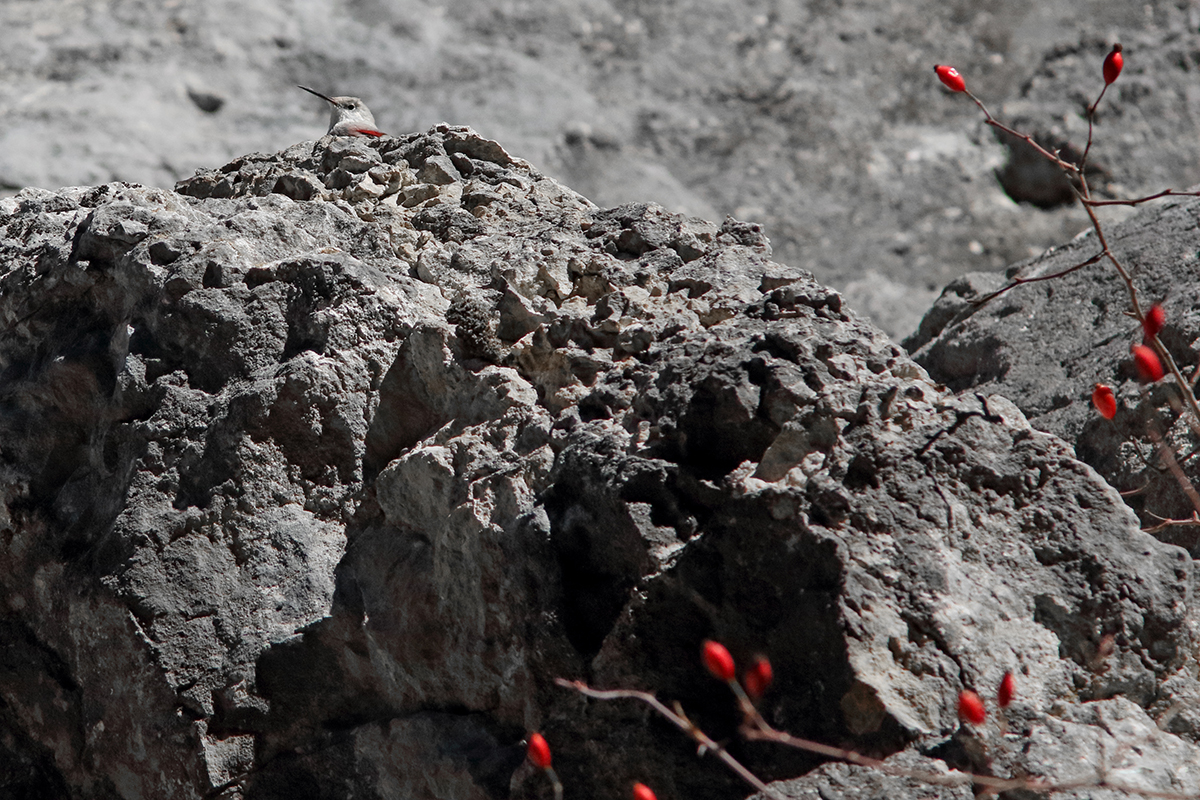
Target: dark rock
pixel 471 317
pixel 449 224
pixel 957 301
pixel 208 102
pixel 297 187
pixel 317 497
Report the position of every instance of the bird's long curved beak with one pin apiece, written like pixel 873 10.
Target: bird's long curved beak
pixel 314 91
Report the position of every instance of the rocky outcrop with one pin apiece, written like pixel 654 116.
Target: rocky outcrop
pixel 1046 344
pixel 319 471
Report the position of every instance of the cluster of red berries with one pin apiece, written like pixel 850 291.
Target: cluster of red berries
pixel 1145 361
pixel 755 681
pixel 1113 63
pixel 719 664
pixel 970 705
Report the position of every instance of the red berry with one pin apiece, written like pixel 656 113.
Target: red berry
pixel 1145 360
pixel 949 76
pixel 643 792
pixel 539 751
pixel 718 661
pixel 1155 319
pixel 1008 687
pixel 758 677
pixel 1113 62
pixel 1103 400
pixel 970 707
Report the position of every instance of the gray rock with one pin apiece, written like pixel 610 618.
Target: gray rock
pixel 439 170
pixel 1046 344
pixel 319 496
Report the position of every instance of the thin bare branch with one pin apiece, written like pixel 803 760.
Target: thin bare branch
pixel 765 733
pixel 1135 492
pixel 679 721
pixel 759 729
pixel 1165 523
pixel 1091 116
pixel 555 783
pixel 1022 281
pixel 1168 457
pixel 755 728
pixel 1139 200
pixel 995 123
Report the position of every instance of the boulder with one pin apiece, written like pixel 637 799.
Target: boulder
pixel 319 471
pixel 1045 345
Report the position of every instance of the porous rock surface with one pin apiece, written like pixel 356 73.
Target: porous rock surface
pixel 320 470
pixel 1046 344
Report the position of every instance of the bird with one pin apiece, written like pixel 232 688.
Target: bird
pixel 349 116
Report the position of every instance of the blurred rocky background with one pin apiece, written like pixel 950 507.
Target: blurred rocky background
pixel 821 120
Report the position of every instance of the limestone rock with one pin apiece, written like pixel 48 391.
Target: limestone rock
pixel 312 486
pixel 1046 344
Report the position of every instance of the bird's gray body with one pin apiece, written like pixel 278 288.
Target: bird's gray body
pixel 349 116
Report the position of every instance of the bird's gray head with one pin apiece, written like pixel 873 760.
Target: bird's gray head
pixel 349 116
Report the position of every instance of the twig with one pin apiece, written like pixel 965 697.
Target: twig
pixel 1022 281
pixel 1139 200
pixel 1165 523
pixel 1168 457
pixel 680 721
pixel 555 783
pixel 1091 115
pixel 995 123
pixel 759 729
